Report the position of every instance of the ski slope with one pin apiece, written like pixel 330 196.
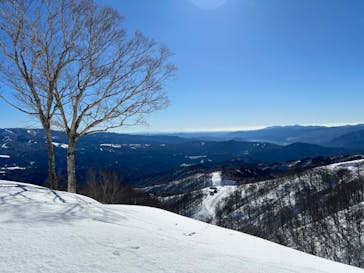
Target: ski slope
pixel 47 231
pixel 224 188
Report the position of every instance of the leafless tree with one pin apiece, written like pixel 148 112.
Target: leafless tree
pixel 104 185
pixel 71 64
pixel 35 46
pixel 114 82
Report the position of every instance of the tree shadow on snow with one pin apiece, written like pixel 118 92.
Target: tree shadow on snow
pixel 31 204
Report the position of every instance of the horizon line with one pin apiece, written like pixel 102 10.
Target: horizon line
pixel 212 130
pixel 250 128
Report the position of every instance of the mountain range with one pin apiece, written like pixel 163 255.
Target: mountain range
pixel 298 186
pixel 283 135
pixel 23 153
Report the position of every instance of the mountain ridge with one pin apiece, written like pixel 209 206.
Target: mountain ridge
pixel 137 156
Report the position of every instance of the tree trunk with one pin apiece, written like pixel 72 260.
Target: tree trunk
pixel 71 167
pixel 52 177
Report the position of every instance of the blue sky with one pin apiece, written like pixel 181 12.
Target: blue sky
pixel 251 63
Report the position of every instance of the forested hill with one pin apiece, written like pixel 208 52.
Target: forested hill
pixel 23 154
pixel 319 210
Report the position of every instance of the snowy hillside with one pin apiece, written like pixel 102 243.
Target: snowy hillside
pixel 318 211
pixel 46 231
pixel 219 190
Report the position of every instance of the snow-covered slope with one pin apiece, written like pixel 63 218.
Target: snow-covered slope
pixel 47 231
pixel 318 211
pixel 212 197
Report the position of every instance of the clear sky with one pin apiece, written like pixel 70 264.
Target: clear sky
pixel 251 63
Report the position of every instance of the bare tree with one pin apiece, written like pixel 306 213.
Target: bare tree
pixel 114 82
pixel 104 185
pixel 71 64
pixel 35 46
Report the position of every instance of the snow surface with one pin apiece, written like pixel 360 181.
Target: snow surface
pixel 194 157
pixel 354 164
pixel 60 145
pixel 4 156
pixel 183 165
pixel 13 168
pixel 211 201
pixel 216 178
pixel 4 146
pixel 50 231
pixel 111 145
pixel 131 146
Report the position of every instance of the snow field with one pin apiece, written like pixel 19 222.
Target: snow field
pixel 50 231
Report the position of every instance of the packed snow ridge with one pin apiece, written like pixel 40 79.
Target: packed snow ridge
pixel 50 231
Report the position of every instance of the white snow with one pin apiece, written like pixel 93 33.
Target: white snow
pixel 135 145
pixel 194 157
pixel 60 145
pixel 212 199
pixel 44 231
pixel 4 146
pixel 216 178
pixel 183 165
pixel 13 168
pixel 4 156
pixel 347 164
pixel 30 132
pixel 111 145
pixel 131 146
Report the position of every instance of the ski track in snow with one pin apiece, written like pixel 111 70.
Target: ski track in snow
pixel 216 179
pixel 212 199
pixel 44 231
